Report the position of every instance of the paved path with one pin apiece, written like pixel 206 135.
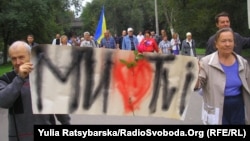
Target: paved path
pixel 3 125
pixel 193 116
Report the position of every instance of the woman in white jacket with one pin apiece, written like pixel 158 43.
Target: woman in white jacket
pixel 175 44
pixel 224 79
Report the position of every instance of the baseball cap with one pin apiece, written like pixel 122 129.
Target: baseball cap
pixel 130 29
pixel 188 34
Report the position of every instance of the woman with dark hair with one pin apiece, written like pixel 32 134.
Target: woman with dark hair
pixel 148 44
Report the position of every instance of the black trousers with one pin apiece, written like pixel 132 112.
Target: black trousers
pixel 233 111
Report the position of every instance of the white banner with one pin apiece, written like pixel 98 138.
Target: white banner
pixel 99 81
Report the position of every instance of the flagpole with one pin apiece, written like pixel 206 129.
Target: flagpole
pixel 248 13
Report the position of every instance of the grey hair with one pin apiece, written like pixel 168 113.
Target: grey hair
pixel 86 33
pixel 17 44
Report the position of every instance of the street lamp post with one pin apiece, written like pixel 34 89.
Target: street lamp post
pixel 248 13
pixel 156 19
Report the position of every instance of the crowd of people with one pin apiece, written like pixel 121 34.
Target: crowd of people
pixel 222 57
pixel 129 40
pixel 223 74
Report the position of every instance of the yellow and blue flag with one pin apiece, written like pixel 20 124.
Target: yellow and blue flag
pixel 101 27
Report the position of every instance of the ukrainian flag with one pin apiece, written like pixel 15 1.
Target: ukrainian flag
pixel 101 27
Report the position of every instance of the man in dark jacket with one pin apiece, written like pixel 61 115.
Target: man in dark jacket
pixel 31 41
pixel 222 20
pixel 16 97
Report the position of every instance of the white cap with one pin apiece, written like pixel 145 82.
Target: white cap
pixel 188 34
pixel 86 33
pixel 130 29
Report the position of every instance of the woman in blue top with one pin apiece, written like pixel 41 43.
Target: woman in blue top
pixel 224 79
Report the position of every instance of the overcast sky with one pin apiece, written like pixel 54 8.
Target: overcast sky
pixel 83 4
pixel 85 1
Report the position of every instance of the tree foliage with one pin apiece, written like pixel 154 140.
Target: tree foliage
pixel 47 17
pixel 119 14
pixel 43 19
pixel 196 16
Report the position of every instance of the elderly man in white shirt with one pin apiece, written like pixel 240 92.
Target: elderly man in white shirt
pixel 87 41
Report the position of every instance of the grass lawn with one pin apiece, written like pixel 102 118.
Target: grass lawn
pixel 245 52
pixel 5 68
pixel 200 51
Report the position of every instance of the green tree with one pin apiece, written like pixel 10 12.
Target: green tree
pixel 43 19
pixel 196 16
pixel 119 15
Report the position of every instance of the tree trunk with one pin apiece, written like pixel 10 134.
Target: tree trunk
pixel 5 51
pixel 169 21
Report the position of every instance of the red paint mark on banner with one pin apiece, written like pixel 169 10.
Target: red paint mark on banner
pixel 133 83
